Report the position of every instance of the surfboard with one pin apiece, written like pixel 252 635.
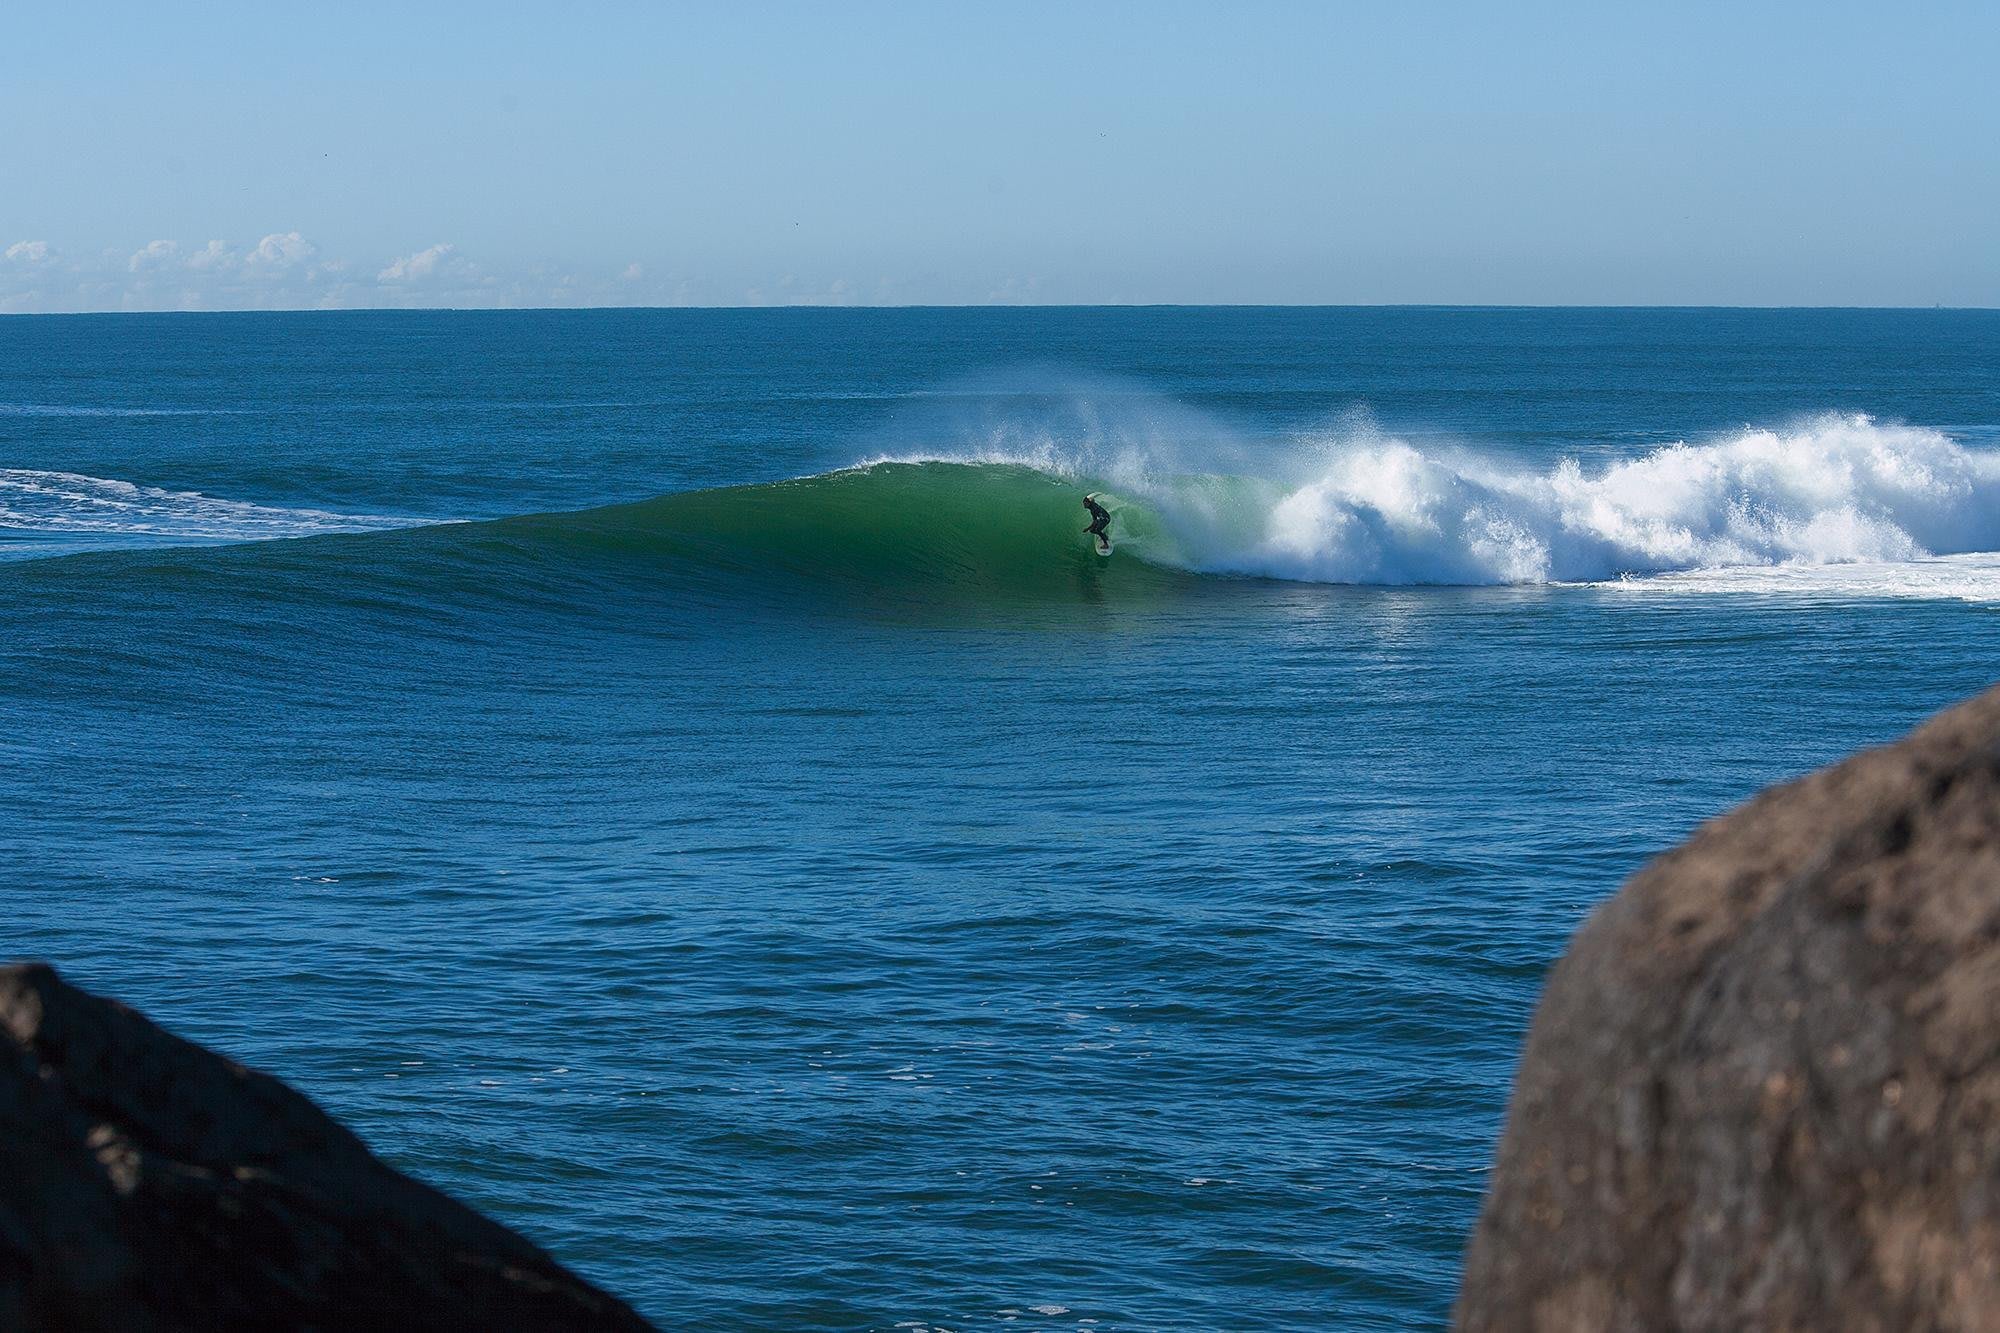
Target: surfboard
pixel 1103 539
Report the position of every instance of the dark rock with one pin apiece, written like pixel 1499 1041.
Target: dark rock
pixel 149 1184
pixel 1762 1089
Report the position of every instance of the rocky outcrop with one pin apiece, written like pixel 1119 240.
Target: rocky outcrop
pixel 1762 1089
pixel 149 1184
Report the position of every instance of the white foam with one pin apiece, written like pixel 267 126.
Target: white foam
pixel 1881 500
pixel 75 410
pixel 1973 577
pixel 1837 490
pixel 78 512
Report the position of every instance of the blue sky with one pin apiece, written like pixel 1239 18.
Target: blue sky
pixel 291 155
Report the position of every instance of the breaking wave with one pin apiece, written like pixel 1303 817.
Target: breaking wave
pixel 1844 505
pixel 1837 490
pixel 44 512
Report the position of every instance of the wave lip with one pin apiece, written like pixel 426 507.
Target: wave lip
pixel 1377 510
pixel 1887 503
pixel 886 530
pixel 46 512
pixel 1903 510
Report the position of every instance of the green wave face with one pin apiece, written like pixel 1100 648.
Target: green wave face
pixel 970 530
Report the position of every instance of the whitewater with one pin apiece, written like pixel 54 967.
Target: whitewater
pixel 1835 502
pixel 683 780
pixel 1832 490
pixel 45 512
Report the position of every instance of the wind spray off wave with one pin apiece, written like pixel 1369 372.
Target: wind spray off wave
pixel 1835 490
pixel 1840 504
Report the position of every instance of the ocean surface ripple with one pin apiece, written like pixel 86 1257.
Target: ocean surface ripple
pixel 682 781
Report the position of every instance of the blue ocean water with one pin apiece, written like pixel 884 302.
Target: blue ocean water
pixel 681 780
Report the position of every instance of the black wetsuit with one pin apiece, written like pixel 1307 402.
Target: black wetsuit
pixel 1099 516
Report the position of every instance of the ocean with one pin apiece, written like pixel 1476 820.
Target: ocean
pixel 682 781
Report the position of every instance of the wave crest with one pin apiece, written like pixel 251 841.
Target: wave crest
pixel 1883 502
pixel 1378 510
pixel 44 512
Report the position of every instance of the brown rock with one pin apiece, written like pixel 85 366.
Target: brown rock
pixel 1762 1089
pixel 149 1184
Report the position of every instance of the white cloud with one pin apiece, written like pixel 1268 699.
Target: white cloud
pixel 281 250
pixel 152 255
pixel 285 271
pixel 213 255
pixel 419 265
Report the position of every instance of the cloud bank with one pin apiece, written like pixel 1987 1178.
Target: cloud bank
pixel 281 270
pixel 288 270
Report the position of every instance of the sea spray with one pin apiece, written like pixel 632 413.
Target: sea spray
pixel 1355 507
pixel 623 868
pixel 1378 510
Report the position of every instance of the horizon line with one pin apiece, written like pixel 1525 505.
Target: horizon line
pixel 984 306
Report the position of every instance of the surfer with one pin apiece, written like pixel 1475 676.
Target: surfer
pixel 1099 517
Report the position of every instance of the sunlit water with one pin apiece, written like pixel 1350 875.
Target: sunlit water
pixel 808 890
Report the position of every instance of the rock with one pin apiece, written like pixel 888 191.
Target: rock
pixel 1762 1088
pixel 149 1184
